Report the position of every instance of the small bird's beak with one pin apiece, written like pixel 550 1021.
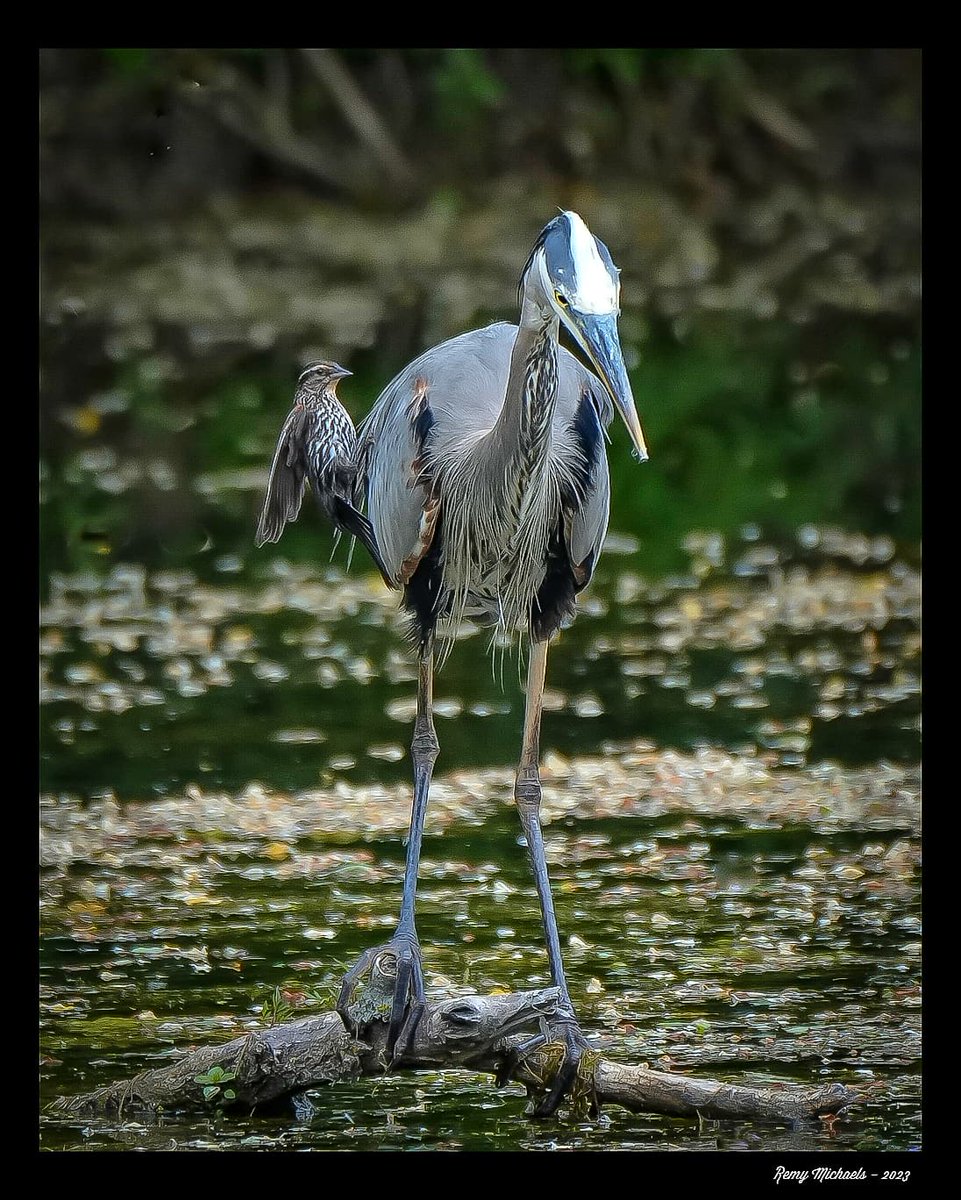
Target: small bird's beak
pixel 598 337
pixel 340 373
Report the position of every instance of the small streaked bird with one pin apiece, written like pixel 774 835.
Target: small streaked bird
pixel 317 444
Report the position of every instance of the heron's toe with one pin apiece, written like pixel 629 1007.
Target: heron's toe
pixel 561 1063
pixel 393 993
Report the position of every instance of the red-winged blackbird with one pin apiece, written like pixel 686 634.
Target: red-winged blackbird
pixel 317 445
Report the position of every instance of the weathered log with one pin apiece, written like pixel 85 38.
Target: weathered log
pixel 474 1032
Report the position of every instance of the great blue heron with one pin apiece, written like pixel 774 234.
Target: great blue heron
pixel 486 483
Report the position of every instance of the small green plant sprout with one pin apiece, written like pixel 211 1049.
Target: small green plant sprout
pixel 274 1009
pixel 281 1003
pixel 213 1082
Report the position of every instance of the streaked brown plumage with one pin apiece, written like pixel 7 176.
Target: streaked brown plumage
pixel 317 445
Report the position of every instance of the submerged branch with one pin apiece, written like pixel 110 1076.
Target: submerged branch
pixel 473 1032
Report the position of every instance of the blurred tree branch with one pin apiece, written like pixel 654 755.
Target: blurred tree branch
pixel 262 119
pixel 360 114
pixel 373 129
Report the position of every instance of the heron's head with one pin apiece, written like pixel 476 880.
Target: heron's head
pixel 570 273
pixel 322 376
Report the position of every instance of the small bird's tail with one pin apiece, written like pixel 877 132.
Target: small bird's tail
pixel 347 518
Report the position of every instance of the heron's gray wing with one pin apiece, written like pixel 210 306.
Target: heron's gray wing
pixel 436 406
pixel 589 527
pixel 393 462
pixel 285 485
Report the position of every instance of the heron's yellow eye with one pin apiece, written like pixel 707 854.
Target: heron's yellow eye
pixel 561 300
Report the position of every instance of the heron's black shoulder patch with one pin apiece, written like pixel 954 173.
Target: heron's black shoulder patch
pixel 589 437
pixel 555 603
pixel 422 422
pixel 422 594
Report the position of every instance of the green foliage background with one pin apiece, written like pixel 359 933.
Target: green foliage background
pixel 763 205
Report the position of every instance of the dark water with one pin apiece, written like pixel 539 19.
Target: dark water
pixel 732 803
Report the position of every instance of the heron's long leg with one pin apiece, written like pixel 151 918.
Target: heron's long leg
pixel 424 750
pixel 404 945
pixel 527 796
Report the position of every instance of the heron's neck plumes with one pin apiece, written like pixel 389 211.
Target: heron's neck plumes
pixel 495 535
pixel 524 426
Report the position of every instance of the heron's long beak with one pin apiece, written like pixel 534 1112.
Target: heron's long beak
pixel 598 336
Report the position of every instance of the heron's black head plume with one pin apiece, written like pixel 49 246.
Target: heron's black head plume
pixel 549 228
pixel 577 266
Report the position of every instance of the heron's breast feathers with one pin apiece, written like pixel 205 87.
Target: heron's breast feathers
pixel 489 516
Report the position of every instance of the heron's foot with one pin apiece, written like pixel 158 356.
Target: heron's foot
pixel 559 1061
pixel 394 992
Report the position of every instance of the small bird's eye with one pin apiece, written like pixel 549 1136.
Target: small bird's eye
pixel 561 300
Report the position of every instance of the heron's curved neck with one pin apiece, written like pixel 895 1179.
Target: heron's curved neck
pixel 524 426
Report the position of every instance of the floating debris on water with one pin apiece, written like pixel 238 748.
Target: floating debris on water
pixel 731 803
